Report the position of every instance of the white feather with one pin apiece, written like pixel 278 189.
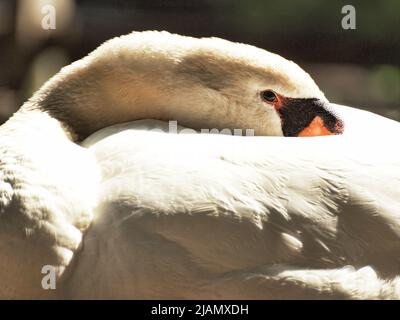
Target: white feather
pixel 135 212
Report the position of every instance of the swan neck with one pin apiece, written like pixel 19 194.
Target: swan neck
pixel 36 125
pixel 90 95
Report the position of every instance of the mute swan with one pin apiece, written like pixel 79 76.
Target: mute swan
pixel 134 213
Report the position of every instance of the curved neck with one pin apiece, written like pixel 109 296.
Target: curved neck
pixel 44 211
pixel 85 97
pixel 89 95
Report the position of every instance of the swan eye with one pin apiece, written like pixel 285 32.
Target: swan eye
pixel 269 96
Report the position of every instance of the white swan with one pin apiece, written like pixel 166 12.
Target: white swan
pixel 195 216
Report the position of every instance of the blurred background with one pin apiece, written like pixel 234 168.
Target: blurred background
pixel 355 67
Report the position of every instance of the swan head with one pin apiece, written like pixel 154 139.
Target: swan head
pixel 200 83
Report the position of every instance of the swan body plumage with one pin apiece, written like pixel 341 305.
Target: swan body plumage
pixel 131 211
pixel 241 217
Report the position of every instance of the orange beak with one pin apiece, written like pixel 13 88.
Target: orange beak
pixel 307 117
pixel 316 128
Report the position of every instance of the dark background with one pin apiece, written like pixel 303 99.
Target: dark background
pixel 354 67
